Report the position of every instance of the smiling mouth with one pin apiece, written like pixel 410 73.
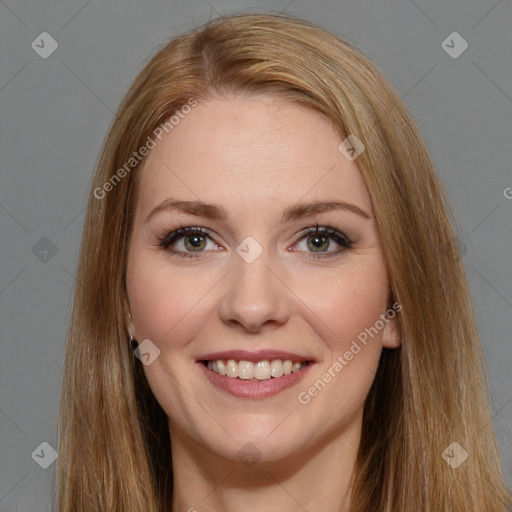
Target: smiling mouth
pixel 255 371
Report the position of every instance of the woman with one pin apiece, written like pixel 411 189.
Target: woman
pixel 268 285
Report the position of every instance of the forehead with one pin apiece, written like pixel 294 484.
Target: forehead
pixel 250 152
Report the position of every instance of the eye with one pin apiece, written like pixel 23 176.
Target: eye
pixel 318 240
pixel 186 241
pixel 191 241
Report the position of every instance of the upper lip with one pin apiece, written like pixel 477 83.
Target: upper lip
pixel 253 356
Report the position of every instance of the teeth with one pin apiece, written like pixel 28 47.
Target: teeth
pixel 232 369
pixel 245 370
pixel 276 368
pixel 221 368
pixel 262 370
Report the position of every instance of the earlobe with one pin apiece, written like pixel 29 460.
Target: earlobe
pixel 131 327
pixel 132 336
pixel 391 336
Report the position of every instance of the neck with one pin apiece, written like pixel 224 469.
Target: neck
pixel 316 479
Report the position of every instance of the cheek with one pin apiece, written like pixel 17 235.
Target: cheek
pixel 346 315
pixel 163 303
pixel 349 303
pixel 349 311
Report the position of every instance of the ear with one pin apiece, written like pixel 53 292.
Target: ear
pixel 391 334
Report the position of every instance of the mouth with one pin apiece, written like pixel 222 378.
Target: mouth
pixel 254 374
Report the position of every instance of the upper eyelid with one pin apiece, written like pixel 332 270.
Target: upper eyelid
pixel 182 231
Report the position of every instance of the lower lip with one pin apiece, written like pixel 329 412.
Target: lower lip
pixel 252 389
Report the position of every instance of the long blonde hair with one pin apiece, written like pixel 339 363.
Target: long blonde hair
pixel 114 447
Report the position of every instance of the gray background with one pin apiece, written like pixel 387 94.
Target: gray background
pixel 55 113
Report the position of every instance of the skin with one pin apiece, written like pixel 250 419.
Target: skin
pixel 256 156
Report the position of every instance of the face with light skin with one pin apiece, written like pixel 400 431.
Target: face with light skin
pixel 257 156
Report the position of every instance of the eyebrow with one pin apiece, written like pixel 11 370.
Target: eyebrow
pixel 217 212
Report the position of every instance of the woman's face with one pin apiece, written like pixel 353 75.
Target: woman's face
pixel 254 286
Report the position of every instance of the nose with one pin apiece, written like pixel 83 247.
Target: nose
pixel 255 296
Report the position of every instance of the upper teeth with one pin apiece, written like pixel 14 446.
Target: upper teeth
pixel 261 370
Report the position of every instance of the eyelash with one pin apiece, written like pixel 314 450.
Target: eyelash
pixel 328 231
